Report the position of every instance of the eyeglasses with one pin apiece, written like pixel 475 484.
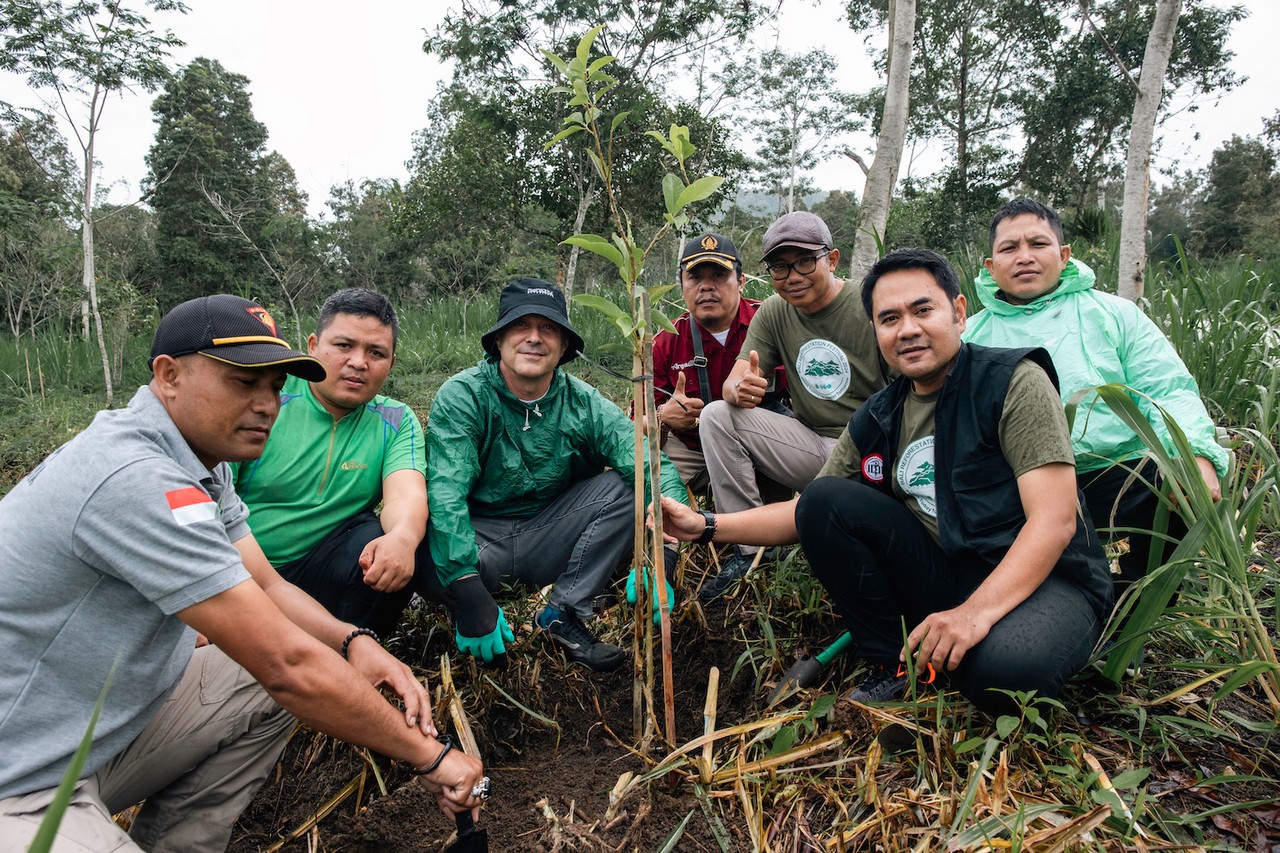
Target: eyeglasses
pixel 804 266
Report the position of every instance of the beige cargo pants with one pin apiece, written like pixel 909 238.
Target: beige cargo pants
pixel 196 766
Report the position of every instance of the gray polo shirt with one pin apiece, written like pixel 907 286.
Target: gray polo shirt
pixel 100 545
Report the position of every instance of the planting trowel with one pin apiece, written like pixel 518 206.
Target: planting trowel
pixel 804 673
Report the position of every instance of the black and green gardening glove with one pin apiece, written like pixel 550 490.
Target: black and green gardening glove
pixel 479 626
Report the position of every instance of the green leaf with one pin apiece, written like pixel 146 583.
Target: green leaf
pixel 601 169
pixel 598 64
pixel 658 291
pixel 969 745
pixel 672 186
pixel 48 830
pixel 1131 778
pixel 559 63
pixel 1005 725
pixel 660 321
pixel 617 120
pixel 596 245
pixel 604 306
pixel 698 190
pixel 562 135
pixel 584 46
pixel 662 140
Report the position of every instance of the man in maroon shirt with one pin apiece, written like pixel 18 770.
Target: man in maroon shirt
pixel 691 366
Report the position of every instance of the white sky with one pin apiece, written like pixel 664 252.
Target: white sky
pixel 342 86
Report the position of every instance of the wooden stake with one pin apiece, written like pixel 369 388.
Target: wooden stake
pixel 659 565
pixel 709 722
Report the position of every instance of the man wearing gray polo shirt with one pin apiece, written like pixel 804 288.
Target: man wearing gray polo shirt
pixel 115 551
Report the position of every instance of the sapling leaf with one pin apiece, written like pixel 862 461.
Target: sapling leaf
pixel 660 321
pixel 562 135
pixel 559 63
pixel 659 290
pixel 672 186
pixel 596 245
pixel 584 46
pixel 1130 779
pixel 604 306
pixel 598 64
pixel 618 119
pixel 1005 725
pixel 698 190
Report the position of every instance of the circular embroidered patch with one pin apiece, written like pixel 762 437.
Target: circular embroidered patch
pixel 873 468
pixel 823 369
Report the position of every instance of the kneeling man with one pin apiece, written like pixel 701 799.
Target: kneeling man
pixel 948 509
pixel 530 476
pixel 339 448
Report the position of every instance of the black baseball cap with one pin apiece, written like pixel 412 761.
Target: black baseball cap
pixel 525 296
pixel 801 230
pixel 710 249
pixel 232 330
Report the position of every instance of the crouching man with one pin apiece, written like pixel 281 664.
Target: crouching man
pixel 115 551
pixel 530 479
pixel 949 506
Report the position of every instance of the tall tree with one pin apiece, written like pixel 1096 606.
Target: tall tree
pixel 796 112
pixel 882 176
pixel 208 142
pixel 1132 263
pixel 1075 126
pixel 1239 208
pixel 497 47
pixel 80 52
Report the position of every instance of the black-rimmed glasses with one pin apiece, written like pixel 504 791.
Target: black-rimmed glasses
pixel 781 272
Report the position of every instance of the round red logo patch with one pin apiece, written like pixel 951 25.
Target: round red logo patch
pixel 873 468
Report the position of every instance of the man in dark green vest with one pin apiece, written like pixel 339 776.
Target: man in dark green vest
pixel 948 510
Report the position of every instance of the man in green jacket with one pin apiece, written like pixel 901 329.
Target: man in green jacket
pixel 1036 294
pixel 530 480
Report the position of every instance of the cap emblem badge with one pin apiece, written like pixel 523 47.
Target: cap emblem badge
pixel 260 314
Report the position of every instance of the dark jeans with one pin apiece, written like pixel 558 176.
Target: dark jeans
pixel 882 568
pixel 1112 505
pixel 331 575
pixel 576 543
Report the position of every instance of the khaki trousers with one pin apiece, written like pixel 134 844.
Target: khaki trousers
pixel 197 765
pixel 740 443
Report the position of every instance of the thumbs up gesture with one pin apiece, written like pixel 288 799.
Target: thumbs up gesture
pixel 681 412
pixel 751 385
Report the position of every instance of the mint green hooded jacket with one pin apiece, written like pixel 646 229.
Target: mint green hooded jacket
pixel 1095 338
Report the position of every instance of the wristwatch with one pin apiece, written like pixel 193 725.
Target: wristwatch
pixel 708 532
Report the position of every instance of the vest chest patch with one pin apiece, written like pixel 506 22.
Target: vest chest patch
pixel 917 476
pixel 873 468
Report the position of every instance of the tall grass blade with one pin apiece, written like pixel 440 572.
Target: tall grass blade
pixel 48 831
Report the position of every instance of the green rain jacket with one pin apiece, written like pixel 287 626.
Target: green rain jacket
pixel 1096 338
pixel 494 455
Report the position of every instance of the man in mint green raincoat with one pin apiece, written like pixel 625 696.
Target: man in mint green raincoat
pixel 1035 294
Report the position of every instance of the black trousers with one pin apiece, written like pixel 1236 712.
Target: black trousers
pixel 885 574
pixel 1113 506
pixel 330 573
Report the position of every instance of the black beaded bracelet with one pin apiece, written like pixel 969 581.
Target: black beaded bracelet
pixel 359 632
pixel 430 768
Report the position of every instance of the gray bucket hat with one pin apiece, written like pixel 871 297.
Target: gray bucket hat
pixel 526 296
pixel 801 229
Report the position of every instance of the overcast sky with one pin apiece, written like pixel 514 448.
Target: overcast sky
pixel 342 86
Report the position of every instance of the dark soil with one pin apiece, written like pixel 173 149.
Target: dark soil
pixel 550 789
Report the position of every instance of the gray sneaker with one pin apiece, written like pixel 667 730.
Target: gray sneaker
pixel 579 644
pixel 884 682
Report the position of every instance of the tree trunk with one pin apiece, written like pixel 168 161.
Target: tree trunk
pixel 1133 216
pixel 877 193
pixel 571 272
pixel 86 240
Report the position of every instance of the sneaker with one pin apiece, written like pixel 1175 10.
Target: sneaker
pixel 882 683
pixel 579 644
pixel 732 570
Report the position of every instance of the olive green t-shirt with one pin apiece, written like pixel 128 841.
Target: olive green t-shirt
pixel 1033 433
pixel 833 363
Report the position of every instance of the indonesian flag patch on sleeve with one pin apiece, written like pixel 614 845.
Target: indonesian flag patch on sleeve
pixel 190 505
